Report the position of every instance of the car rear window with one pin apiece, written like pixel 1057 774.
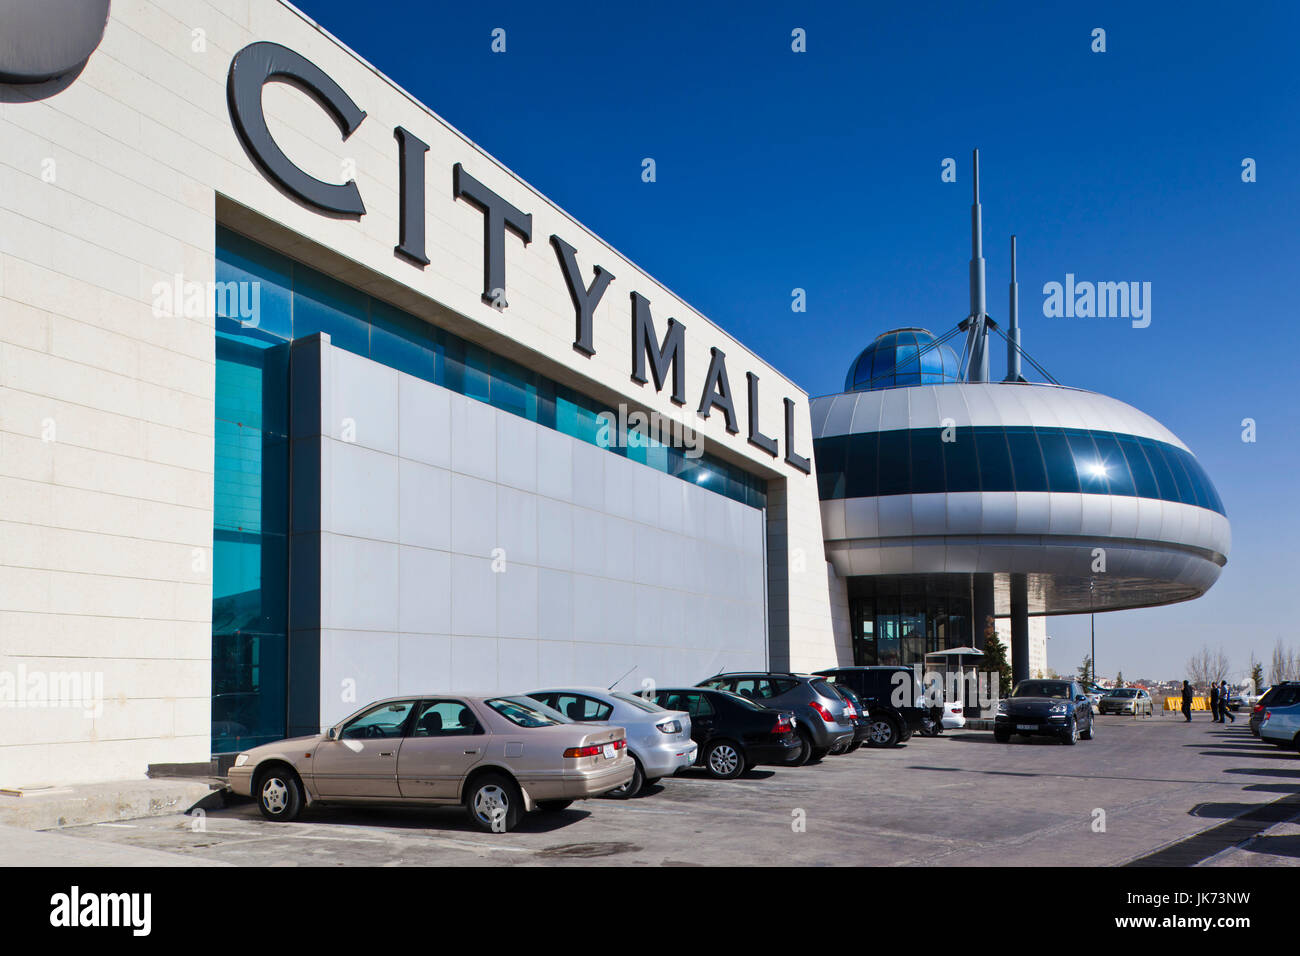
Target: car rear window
pixel 638 702
pixel 527 712
pixel 1285 696
pixel 823 688
pixel 742 701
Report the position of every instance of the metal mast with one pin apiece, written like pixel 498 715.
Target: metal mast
pixel 1013 324
pixel 977 353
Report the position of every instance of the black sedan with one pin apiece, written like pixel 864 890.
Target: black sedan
pixel 1054 708
pixel 734 733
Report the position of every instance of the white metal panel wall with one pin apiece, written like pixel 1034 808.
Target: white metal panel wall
pixel 467 549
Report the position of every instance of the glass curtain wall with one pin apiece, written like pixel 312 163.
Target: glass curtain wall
pixel 898 619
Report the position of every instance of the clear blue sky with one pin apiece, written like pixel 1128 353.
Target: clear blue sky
pixel 821 170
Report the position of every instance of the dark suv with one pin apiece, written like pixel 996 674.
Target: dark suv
pixel 822 716
pixel 893 696
pixel 1282 690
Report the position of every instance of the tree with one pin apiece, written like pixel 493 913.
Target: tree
pixel 1119 679
pixel 1256 675
pixel 1285 665
pixel 995 658
pixel 1085 671
pixel 1207 667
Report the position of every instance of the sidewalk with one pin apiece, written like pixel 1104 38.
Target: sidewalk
pixel 20 847
pixel 101 802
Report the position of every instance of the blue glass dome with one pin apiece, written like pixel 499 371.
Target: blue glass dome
pixel 892 361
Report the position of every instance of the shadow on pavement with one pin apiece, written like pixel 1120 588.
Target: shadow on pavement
pixel 1275 846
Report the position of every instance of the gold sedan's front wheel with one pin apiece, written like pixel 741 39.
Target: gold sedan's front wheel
pixel 279 794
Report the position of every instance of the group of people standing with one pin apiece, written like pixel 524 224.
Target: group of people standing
pixel 1218 702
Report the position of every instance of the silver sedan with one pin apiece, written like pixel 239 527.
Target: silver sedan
pixel 659 740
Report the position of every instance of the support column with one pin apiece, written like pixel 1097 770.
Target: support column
pixel 308 358
pixel 1019 627
pixel 981 606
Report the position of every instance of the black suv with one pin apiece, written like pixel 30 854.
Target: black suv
pixel 893 696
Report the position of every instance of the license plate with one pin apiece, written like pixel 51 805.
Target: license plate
pixel 1026 726
pixel 610 752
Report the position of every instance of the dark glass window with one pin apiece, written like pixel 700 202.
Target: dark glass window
pixel 1112 459
pixel 995 460
pixel 961 465
pixel 894 474
pixel 1058 460
pixel 927 461
pixel 861 459
pixel 1144 480
pixel 1183 486
pixel 1026 460
pixel 832 470
pixel 1160 467
pixel 1088 465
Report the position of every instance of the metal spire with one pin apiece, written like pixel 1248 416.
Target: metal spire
pixel 977 364
pixel 1013 320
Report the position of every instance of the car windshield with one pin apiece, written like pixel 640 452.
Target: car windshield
pixel 638 702
pixel 527 712
pixel 1043 688
pixel 1123 692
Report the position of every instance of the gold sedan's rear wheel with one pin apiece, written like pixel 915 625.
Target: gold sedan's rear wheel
pixel 494 803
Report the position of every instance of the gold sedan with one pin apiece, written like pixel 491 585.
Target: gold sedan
pixel 498 756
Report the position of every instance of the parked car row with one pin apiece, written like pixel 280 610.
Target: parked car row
pixel 1279 715
pixel 503 756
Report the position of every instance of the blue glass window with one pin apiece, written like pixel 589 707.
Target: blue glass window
pixel 1026 460
pixel 994 459
pixel 1144 479
pixel 1059 460
pixel 1112 459
pixel 322 304
pixel 918 461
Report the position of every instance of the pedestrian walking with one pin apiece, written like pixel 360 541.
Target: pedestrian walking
pixel 1223 705
pixel 1214 702
pixel 1187 701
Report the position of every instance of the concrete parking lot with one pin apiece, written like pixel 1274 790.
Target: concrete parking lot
pixel 1157 791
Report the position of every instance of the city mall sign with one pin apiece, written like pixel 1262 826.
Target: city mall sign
pixel 661 360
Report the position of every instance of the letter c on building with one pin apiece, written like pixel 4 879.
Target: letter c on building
pixel 251 69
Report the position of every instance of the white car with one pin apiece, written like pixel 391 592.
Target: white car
pixel 659 740
pixel 954 717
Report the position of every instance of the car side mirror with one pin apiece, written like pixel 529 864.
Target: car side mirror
pixel 333 733
pixel 1080 699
